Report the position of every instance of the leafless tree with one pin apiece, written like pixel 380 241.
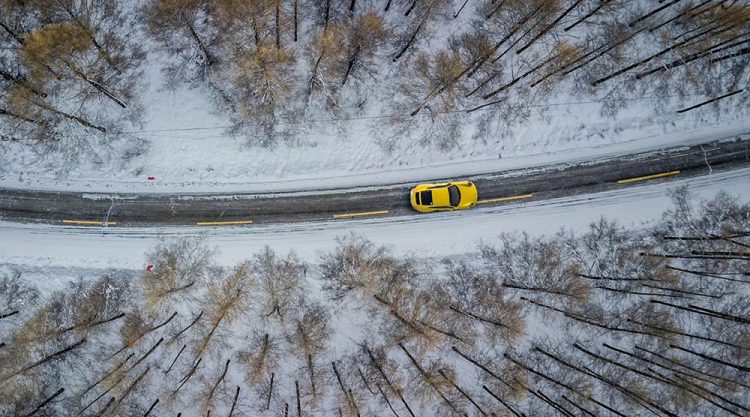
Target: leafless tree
pixel 179 266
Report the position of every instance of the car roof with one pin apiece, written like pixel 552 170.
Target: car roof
pixel 440 197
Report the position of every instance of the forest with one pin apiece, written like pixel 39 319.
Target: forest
pixel 612 321
pixel 73 72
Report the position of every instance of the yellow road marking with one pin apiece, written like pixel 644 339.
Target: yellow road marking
pixel 497 200
pixel 367 213
pixel 648 177
pixel 89 222
pixel 227 223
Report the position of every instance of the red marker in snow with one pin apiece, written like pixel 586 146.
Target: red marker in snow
pixel 150 267
pixel 151 178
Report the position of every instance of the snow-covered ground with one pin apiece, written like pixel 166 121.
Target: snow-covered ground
pixel 188 151
pixel 431 235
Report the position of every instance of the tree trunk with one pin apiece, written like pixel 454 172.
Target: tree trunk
pixel 410 325
pixel 103 394
pixel 600 278
pixel 12 33
pixel 209 57
pixel 277 26
pixel 440 331
pixel 693 369
pixel 567 386
pixel 522 287
pixel 175 359
pixel 78 119
pixel 604 51
pixel 712 359
pixel 499 5
pixel 385 397
pixel 653 12
pixel 216 385
pixel 326 15
pixel 296 3
pixel 311 369
pixel 45 402
pixel 270 392
pixel 164 323
pixel 590 373
pixel 133 384
pixel 589 14
pixel 480 366
pixel 679 15
pixel 176 289
pixel 409 10
pixel 658 54
pixel 22 81
pixel 459 10
pixel 11 313
pixel 414 34
pixel 476 317
pixel 474 67
pixel 104 409
pixel 338 378
pixel 350 64
pixel 650 294
pixel 234 401
pixel 550 26
pixel 388 381
pixel 107 375
pixel 703 274
pixel 562 410
pixel 142 358
pixel 427 378
pixel 704 394
pixel 187 377
pixel 683 376
pixel 747 50
pixel 692 57
pixel 583 319
pixel 151 408
pixel 186 328
pixel 364 381
pixel 706 312
pixel 462 392
pixel 695 336
pixel 4 112
pixel 47 358
pixel 699 294
pixel 578 406
pixel 299 405
pixel 500 400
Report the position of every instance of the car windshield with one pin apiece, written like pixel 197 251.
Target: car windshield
pixel 455 195
pixel 426 198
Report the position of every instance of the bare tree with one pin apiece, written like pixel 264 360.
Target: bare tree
pixel 178 266
pixel 309 339
pixel 225 302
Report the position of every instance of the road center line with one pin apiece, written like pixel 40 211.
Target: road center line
pixel 89 222
pixel 226 223
pixel 366 213
pixel 648 177
pixel 497 200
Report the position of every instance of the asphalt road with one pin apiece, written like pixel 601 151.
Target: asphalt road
pixel 123 210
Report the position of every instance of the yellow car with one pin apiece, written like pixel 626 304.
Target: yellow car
pixel 447 196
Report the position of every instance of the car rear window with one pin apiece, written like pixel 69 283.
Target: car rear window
pixel 455 195
pixel 426 197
